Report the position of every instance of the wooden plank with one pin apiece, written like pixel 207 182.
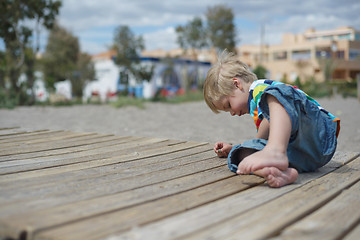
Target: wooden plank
pixel 344 214
pixel 354 234
pixel 96 154
pixel 105 224
pixel 287 209
pixel 11 132
pixel 71 150
pixel 62 136
pixel 136 196
pixel 51 146
pixel 126 152
pixel 28 135
pixel 33 135
pixel 223 217
pixel 121 170
pixel 16 132
pixel 58 138
pixel 162 189
pixel 59 142
pixel 131 168
pixel 59 193
pixel 8 128
pixel 116 174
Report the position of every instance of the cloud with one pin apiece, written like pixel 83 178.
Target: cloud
pixel 94 21
pixel 81 15
pixel 162 39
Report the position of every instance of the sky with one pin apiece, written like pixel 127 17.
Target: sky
pixel 94 21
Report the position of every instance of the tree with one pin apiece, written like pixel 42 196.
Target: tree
pixel 128 48
pixel 260 72
pixel 84 73
pixel 29 70
pixel 15 16
pixel 328 67
pixel 192 36
pixel 221 28
pixel 146 72
pixel 60 57
pixel 63 60
pixel 2 69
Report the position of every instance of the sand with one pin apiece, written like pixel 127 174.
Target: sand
pixel 188 121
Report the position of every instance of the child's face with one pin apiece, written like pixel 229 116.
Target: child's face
pixel 235 104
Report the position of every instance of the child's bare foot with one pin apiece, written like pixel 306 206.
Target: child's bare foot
pixel 268 157
pixel 277 178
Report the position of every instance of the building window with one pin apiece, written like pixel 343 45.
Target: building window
pixel 339 74
pixel 354 74
pixel 354 54
pixel 345 36
pixel 323 54
pixel 327 37
pixel 357 36
pixel 280 55
pixel 301 55
pixel 340 54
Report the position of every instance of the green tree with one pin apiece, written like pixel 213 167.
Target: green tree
pixel 29 70
pixel 63 60
pixel 146 71
pixel 128 48
pixel 60 57
pixel 192 36
pixel 328 67
pixel 16 34
pixel 260 72
pixel 84 73
pixel 221 28
pixel 2 69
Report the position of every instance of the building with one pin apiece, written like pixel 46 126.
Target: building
pixel 310 54
pixel 170 76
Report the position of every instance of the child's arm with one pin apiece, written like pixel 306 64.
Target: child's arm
pixel 263 131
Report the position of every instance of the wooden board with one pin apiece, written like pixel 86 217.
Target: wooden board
pixel 65 185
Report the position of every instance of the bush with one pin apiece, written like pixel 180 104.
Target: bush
pixel 260 72
pixel 346 89
pixel 190 96
pixel 123 101
pixel 8 100
pixel 317 89
pixel 325 89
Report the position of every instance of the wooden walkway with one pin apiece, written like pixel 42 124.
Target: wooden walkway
pixel 83 186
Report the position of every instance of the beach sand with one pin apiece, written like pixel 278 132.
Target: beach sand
pixel 187 121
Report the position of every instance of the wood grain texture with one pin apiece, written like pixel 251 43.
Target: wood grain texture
pixel 65 185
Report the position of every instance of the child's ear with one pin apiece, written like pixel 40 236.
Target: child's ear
pixel 238 83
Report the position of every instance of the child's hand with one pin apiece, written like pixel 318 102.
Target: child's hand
pixel 222 149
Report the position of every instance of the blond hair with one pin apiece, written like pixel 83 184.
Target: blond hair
pixel 219 80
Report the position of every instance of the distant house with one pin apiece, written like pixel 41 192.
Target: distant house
pixel 304 55
pixel 62 89
pixel 170 76
pixel 106 74
pixel 301 55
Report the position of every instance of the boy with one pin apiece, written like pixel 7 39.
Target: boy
pixel 295 134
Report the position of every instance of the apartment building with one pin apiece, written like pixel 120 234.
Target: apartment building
pixel 310 54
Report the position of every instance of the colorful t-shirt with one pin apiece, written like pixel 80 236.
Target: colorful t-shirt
pixel 256 90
